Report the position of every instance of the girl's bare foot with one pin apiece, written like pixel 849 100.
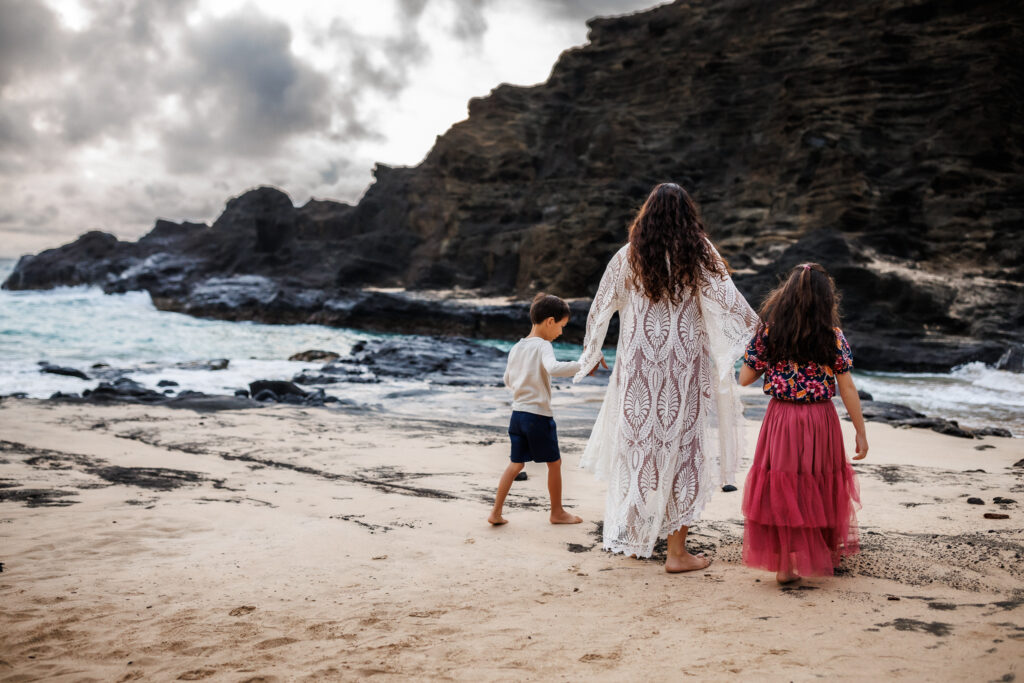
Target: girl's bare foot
pixel 564 517
pixel 497 520
pixel 675 564
pixel 784 577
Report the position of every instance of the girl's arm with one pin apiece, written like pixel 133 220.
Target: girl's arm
pixel 848 392
pixel 749 375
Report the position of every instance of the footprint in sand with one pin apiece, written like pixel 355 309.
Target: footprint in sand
pixel 239 611
pixel 196 674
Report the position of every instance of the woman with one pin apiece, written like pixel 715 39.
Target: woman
pixel 682 326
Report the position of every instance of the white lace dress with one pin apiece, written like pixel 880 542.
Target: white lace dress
pixel 673 375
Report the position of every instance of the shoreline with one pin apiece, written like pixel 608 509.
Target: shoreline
pixel 300 544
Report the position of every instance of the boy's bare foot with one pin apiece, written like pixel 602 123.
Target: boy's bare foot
pixel 784 577
pixel 564 517
pixel 685 563
pixel 497 520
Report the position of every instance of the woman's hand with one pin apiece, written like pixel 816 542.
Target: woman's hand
pixel 601 364
pixel 862 446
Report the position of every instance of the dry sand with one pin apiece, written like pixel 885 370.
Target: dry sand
pixel 312 544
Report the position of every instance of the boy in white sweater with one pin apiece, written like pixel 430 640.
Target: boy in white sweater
pixel 531 365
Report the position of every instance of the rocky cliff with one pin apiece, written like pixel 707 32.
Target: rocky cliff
pixel 882 138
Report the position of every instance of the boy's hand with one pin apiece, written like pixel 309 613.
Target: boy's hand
pixel 601 364
pixel 862 446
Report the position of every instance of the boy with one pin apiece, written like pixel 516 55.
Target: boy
pixel 531 364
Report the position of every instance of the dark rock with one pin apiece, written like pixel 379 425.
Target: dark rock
pixel 58 370
pixel 242 393
pixel 126 390
pixel 864 396
pixel 443 359
pixel 123 389
pixel 993 431
pixel 984 447
pixel 61 395
pixel 975 501
pixel 903 416
pixel 999 500
pixel 1012 360
pixel 216 364
pixel 265 396
pixel 881 411
pixel 923 239
pixel 306 378
pixel 167 383
pixel 996 515
pixel 521 476
pixel 1019 463
pixel 315 355
pixel 278 387
pixel 937 424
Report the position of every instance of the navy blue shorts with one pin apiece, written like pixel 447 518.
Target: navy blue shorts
pixel 533 438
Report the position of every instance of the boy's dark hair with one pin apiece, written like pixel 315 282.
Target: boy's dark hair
pixel 800 315
pixel 546 306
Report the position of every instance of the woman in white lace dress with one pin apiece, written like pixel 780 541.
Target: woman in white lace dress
pixel 682 326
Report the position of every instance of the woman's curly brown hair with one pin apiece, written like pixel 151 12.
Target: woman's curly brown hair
pixel 668 249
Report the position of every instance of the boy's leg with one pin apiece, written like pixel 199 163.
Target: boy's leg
pixel 558 513
pixel 504 484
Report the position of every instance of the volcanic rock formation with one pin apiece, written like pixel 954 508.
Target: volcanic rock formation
pixel 882 139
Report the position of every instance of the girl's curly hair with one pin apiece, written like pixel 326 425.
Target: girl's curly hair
pixel 669 252
pixel 801 314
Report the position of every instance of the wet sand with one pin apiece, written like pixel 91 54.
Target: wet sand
pixel 320 544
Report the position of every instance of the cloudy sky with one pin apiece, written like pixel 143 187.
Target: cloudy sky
pixel 114 112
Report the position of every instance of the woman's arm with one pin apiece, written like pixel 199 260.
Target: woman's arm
pixel 848 392
pixel 608 300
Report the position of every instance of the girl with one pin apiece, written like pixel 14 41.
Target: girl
pixel 800 493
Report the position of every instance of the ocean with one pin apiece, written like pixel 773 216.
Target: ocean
pixel 81 326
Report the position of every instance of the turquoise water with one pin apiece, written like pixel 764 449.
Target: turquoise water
pixel 81 326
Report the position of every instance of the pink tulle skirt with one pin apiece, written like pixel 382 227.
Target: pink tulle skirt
pixel 800 493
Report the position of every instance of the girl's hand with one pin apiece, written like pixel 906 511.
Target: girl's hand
pixel 862 446
pixel 601 364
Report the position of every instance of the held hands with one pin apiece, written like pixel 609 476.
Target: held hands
pixel 862 446
pixel 601 364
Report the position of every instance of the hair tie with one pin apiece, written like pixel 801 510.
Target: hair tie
pixel 807 266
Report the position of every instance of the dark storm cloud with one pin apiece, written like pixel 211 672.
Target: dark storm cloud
pixel 244 91
pixel 28 38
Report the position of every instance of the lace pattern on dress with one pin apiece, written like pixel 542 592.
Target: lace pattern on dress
pixel 673 370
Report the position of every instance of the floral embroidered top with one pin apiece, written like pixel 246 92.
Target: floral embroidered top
pixel 790 381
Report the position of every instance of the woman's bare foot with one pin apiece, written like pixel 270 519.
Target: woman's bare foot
pixel 784 577
pixel 497 520
pixel 564 517
pixel 676 564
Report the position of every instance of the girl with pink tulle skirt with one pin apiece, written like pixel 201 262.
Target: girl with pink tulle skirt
pixel 801 492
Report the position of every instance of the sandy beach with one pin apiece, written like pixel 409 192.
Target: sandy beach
pixel 285 543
